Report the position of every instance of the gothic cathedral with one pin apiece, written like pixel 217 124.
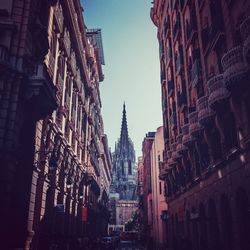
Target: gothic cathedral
pixel 124 180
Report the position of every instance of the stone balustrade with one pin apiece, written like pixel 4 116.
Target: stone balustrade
pixel 180 149
pixel 170 161
pixel 235 67
pixel 187 140
pixel 205 113
pixel 194 127
pixel 217 91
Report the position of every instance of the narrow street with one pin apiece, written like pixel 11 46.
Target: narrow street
pixel 125 125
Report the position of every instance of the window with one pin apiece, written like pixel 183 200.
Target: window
pixel 129 167
pixel 122 163
pixel 160 189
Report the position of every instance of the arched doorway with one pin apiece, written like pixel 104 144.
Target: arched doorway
pixel 213 227
pixel 243 219
pixel 226 224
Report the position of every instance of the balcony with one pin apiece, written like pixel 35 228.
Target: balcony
pixel 195 73
pixel 187 139
pixel 180 149
pixel 179 62
pixel 245 34
pixel 194 127
pixel 235 68
pixel 41 92
pixel 217 91
pixel 205 113
pixel 170 161
pixel 170 87
pixel 176 156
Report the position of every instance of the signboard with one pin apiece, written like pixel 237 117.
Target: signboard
pixel 84 214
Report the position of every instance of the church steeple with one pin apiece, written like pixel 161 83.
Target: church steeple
pixel 124 128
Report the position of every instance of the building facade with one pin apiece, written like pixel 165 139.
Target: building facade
pixel 55 161
pixel 125 209
pixel 146 195
pixel 124 176
pixel 152 203
pixel 159 205
pixel 204 57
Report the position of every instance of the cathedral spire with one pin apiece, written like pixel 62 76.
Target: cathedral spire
pixel 124 128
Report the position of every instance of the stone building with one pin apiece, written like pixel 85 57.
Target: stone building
pixel 55 161
pixel 159 206
pixel 124 173
pixel 204 58
pixel 152 205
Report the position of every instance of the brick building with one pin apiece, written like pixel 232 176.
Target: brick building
pixel 55 162
pixel 204 58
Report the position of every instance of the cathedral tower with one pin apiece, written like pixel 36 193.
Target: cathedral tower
pixel 123 160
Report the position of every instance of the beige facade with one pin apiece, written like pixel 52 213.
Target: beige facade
pixel 158 202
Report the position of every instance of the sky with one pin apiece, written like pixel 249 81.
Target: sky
pixel 131 70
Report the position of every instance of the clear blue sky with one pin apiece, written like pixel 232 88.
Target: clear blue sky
pixel 132 66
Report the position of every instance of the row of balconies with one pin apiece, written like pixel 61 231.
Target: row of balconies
pixel 236 72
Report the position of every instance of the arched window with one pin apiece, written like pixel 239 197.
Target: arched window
pixel 122 164
pixel 129 167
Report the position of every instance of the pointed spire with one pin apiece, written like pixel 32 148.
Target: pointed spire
pixel 124 128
